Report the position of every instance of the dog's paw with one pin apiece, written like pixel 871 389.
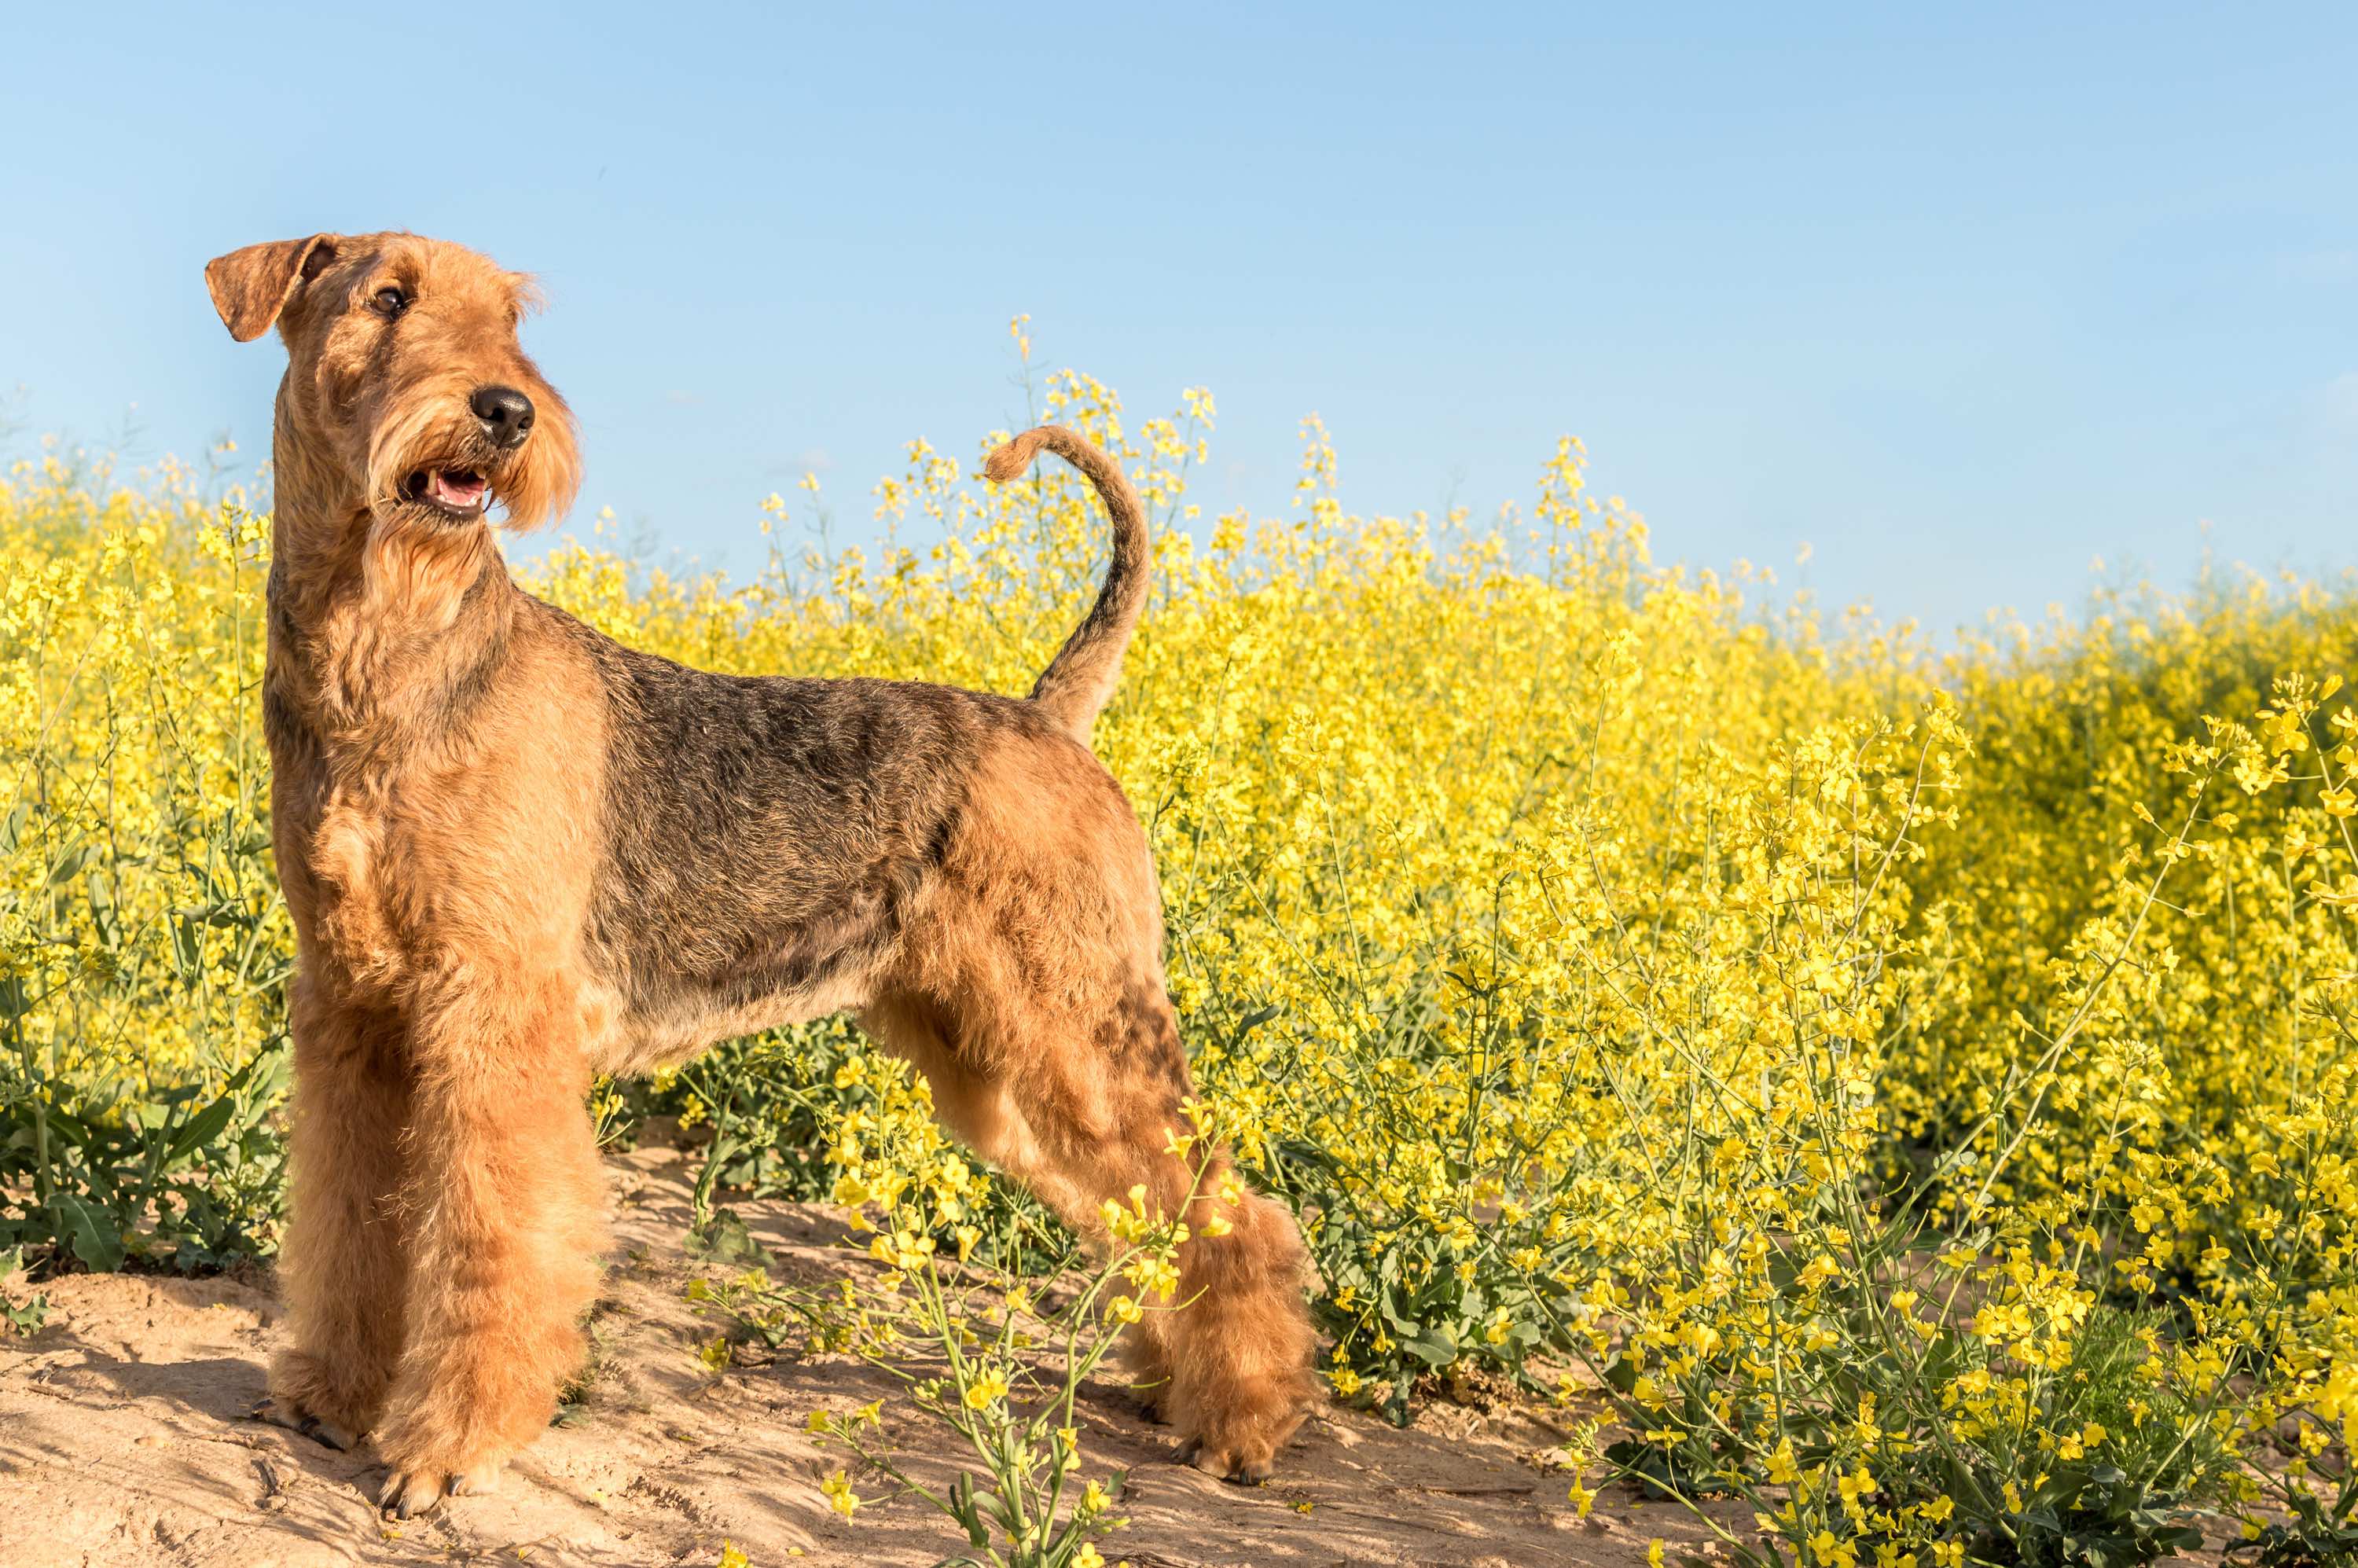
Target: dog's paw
pixel 409 1493
pixel 318 1397
pixel 1229 1464
pixel 295 1418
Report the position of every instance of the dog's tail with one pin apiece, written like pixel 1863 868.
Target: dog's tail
pixel 1079 681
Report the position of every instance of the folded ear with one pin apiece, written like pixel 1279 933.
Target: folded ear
pixel 251 286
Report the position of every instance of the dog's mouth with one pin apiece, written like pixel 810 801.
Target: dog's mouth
pixel 457 492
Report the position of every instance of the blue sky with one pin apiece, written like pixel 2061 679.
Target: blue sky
pixel 1962 298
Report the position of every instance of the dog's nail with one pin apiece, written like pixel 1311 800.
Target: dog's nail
pixel 326 1434
pixel 405 1495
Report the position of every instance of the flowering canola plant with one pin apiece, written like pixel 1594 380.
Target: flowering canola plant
pixel 1909 1089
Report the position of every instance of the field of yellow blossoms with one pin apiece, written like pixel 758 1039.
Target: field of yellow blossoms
pixel 1904 1087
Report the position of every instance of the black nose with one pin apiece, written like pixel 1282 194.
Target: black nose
pixel 507 414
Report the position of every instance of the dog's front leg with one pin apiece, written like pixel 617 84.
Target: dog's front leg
pixel 344 1263
pixel 506 1198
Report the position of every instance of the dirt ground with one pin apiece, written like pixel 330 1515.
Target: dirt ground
pixel 124 1443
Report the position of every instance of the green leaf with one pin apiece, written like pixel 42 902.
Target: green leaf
pixel 28 1318
pixel 723 1239
pixel 1434 1348
pixel 187 945
pixel 95 1240
pixel 265 1074
pixel 201 1129
pixel 962 1507
pixel 1254 1020
pixel 68 1129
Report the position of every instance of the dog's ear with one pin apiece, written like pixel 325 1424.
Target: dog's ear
pixel 251 286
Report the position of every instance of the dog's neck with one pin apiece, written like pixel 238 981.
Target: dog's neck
pixel 374 626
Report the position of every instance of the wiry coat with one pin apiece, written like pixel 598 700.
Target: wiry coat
pixel 517 850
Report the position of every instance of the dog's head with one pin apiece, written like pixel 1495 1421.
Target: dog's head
pixel 407 388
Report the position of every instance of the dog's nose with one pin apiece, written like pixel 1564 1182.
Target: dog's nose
pixel 507 414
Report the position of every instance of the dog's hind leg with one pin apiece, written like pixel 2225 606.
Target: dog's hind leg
pixel 1234 1361
pixel 344 1265
pixel 508 1198
pixel 1080 1107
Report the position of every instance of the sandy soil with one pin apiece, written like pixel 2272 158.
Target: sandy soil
pixel 124 1442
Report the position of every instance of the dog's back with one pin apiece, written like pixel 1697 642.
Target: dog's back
pixel 768 842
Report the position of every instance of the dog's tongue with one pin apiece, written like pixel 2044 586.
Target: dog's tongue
pixel 459 489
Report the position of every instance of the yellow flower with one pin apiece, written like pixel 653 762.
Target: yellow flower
pixel 986 1389
pixel 1583 946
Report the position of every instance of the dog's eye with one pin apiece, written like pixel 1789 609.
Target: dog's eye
pixel 389 303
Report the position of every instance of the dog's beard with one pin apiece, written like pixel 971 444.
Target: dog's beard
pixel 424 466
pixel 461 490
pixel 433 470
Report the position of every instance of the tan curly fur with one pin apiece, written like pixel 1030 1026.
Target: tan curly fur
pixel 516 852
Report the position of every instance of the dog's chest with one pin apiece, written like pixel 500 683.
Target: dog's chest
pixel 347 868
pixel 359 913
pixel 339 860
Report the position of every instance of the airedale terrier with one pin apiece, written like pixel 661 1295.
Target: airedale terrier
pixel 517 851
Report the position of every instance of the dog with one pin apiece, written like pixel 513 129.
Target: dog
pixel 517 852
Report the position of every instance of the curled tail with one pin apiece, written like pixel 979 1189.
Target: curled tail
pixel 1079 681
